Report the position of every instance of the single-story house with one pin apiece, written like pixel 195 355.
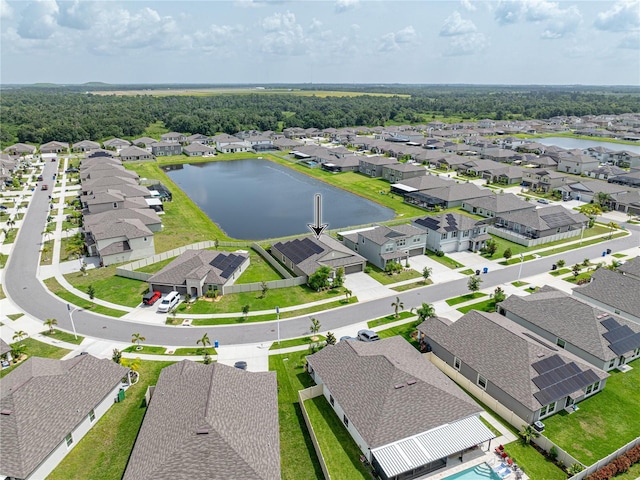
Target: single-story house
pixel 631 179
pixel 165 149
pixel 448 196
pixel 122 240
pixel 415 184
pixel 234 147
pixel 173 137
pixel 496 205
pixel 54 147
pixel 106 169
pixel 453 232
pixel 20 149
pixel 116 144
pixel 604 172
pixel 197 149
pixel 498 358
pixel 304 256
pixel 381 244
pixel 106 182
pixel 144 142
pixel 614 292
pixel 587 190
pixel 347 163
pixel 209 421
pixel 225 139
pixel 146 215
pixel 195 272
pixel 407 418
pixel 198 137
pixel 597 337
pixel 47 406
pixel 135 153
pixel 85 146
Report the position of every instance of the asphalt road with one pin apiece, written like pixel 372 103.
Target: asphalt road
pixel 26 291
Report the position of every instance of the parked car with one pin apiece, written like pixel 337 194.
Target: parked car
pixel 169 302
pixel 348 337
pixel 151 297
pixel 45 186
pixel 544 201
pixel 367 336
pixel 3 207
pixel 242 365
pixel 71 170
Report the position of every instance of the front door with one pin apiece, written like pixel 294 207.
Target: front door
pixel 622 360
pixel 569 402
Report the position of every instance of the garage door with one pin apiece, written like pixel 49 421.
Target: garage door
pixel 415 251
pixel 354 268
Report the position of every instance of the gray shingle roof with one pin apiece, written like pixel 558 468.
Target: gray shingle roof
pixel 540 218
pixel 124 227
pixel 614 289
pixel 459 191
pixel 382 234
pixel 568 318
pixel 425 182
pixel 631 267
pixel 238 409
pixel 363 378
pixel 502 203
pixel 145 215
pixel 48 398
pixel 500 350
pixel 334 254
pixel 448 222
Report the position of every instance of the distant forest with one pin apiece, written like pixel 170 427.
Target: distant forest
pixel 71 114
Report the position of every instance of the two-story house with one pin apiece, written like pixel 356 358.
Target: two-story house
pixel 453 232
pixel 165 149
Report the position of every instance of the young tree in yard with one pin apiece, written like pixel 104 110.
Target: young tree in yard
pixel 320 279
pixel 507 254
pixel 137 339
pixel 474 283
pixel 528 433
pixel 397 305
pixel 576 269
pixel 561 263
pixel 612 226
pixel 498 295
pixel 315 326
pixel 426 273
pixel 265 288
pixel 331 338
pixel 347 294
pixel 338 280
pixel 116 356
pixel 585 262
pixel 51 322
pixel 91 292
pixel 245 311
pixel 425 311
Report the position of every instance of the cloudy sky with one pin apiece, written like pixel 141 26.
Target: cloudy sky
pixel 330 41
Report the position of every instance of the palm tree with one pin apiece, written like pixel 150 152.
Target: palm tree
pixel 528 433
pixel 397 305
pixel 19 335
pixel 425 311
pixel 11 222
pixel 137 338
pixel 612 226
pixel 45 250
pixel 347 293
pixel 204 341
pixel 51 322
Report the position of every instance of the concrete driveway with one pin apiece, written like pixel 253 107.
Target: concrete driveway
pixel 365 288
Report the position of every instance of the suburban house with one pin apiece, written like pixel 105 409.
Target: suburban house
pixel 147 216
pixel 597 337
pixel 449 196
pixel 628 202
pixel 631 178
pixel 20 149
pixel 578 164
pixel 197 149
pixel 116 144
pixel 106 169
pixel 415 184
pixel 381 244
pixel 54 147
pixel 173 137
pixel 47 406
pixel 502 155
pixel 234 147
pixel 106 182
pixel 615 292
pixel 347 163
pixel 123 240
pixel 544 179
pixel 195 272
pixel 407 417
pixel 372 166
pixel 304 256
pixel 496 205
pixel 495 357
pixel 135 153
pixel 397 172
pixel 85 146
pixel 625 159
pixel 453 232
pixel 540 225
pixel 164 149
pixel 604 172
pixel 144 142
pixel 199 138
pixel 208 421
pixel 588 190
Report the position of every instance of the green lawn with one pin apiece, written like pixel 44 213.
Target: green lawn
pixel 34 348
pixel 519 283
pixel 105 450
pixel 389 319
pixel 562 271
pixel 534 464
pixel 259 270
pixel 604 422
pixel 407 331
pixel 145 350
pixel 585 243
pixel 54 287
pixel 109 287
pixel 468 271
pixel 465 298
pixel 412 285
pixel 386 279
pixel 15 316
pixel 295 342
pixel 155 267
pixel 444 260
pixel 64 336
pixel 484 306
pixel 298 459
pixel 11 235
pixel 193 351
pixel 581 276
pixel 341 454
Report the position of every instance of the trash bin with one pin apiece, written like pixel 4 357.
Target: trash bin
pixel 477 272
pixel 608 251
pixel 604 254
pixel 554 267
pixel 485 270
pixel 215 344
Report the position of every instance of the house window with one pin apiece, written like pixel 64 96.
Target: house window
pixel 92 416
pixel 465 233
pixel 444 236
pixel 454 234
pixel 115 205
pixel 612 363
pixel 456 363
pixel 69 440
pixel 145 239
pixel 331 400
pixel 561 343
pixel 401 242
pixel 482 382
pixel 345 420
pixel 416 239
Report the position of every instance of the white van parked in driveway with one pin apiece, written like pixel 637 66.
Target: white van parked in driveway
pixel 169 302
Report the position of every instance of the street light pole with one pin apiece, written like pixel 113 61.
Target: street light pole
pixel 278 322
pixel 73 326
pixel 521 262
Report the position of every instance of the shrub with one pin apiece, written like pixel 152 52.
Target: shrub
pixel 622 463
pixel 553 453
pixel 439 253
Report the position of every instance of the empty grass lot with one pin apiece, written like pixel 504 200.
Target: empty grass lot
pixel 54 287
pixel 64 336
pixel 298 459
pixel 444 260
pixel 109 287
pixel 340 452
pixel 604 422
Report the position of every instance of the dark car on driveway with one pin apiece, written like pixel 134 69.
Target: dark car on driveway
pixel 151 297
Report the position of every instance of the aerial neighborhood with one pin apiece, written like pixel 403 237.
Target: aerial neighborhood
pixel 448 376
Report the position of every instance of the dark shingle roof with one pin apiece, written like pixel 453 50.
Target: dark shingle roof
pixel 448 222
pixel 502 203
pixel 614 289
pixel 48 398
pixel 374 385
pixel 382 234
pixel 631 268
pixel 237 409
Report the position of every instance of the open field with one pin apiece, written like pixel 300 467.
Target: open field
pixel 205 92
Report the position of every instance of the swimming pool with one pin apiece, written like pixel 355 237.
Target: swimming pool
pixel 479 472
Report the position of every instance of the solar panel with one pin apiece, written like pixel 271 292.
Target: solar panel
pixel 429 222
pixel 543 366
pixel 556 375
pixel 609 323
pixel 556 219
pixel 299 250
pixel 618 334
pixel 572 384
pixel 626 345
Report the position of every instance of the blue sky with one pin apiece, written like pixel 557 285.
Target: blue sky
pixel 338 41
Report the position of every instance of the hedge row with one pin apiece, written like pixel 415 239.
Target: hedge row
pixel 619 465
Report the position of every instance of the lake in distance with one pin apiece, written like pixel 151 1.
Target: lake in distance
pixel 257 199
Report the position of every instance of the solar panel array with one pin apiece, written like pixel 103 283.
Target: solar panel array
pixel 620 337
pixel 554 220
pixel 430 222
pixel 299 250
pixel 227 263
pixel 557 379
pixel 452 225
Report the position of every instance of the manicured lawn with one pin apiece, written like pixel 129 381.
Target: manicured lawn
pixel 585 243
pixel 407 331
pixel 619 255
pixel 468 271
pixel 519 283
pixel 46 253
pixel 294 342
pixel 389 319
pixel 465 298
pixel 11 235
pixel 57 289
pixel 562 271
pixel 2 295
pixel 444 260
pixel 386 279
pixel 412 285
pixel 105 450
pixel 604 422
pixel 156 267
pixel 195 351
pixel 297 457
pixel 34 348
pixel 259 270
pixel 514 260
pixel 341 454
pixel 534 464
pixel 3 260
pixel 63 336
pixel 484 306
pixel 15 316
pixel 109 287
pixel 581 276
pixel 145 350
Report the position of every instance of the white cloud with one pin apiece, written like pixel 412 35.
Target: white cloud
pixel 284 36
pixel 77 14
pixel 468 44
pixel 631 41
pixel 217 38
pixel 345 5
pixel 456 25
pixel 556 21
pixel 508 11
pixel 623 16
pixel 39 20
pixel 6 11
pixel 394 41
pixel 468 5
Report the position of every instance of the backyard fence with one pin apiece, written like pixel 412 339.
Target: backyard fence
pixel 606 460
pixel 257 287
pixel 564 457
pixel 272 261
pixel 303 395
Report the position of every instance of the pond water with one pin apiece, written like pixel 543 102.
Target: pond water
pixel 569 143
pixel 257 199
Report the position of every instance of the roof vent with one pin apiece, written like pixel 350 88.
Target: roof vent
pixel 5 412
pixel 411 382
pixel 399 385
pixel 202 431
pixel 540 355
